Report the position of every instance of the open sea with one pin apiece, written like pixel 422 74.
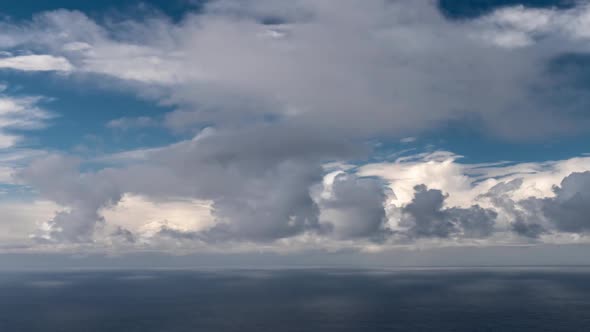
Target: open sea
pixel 469 300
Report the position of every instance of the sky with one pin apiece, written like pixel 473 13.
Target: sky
pixel 384 131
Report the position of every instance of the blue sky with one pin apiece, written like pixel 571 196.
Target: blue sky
pixel 232 126
pixel 26 8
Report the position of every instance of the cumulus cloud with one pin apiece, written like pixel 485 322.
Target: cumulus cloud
pixel 523 199
pixel 425 216
pixel 293 203
pixel 568 211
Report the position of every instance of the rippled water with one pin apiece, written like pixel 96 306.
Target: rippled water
pixel 297 300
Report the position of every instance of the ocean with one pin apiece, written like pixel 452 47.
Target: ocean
pixel 441 299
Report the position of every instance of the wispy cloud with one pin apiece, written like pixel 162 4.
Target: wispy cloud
pixel 36 63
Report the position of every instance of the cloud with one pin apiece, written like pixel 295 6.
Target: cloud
pixel 569 209
pixel 20 113
pixel 354 207
pixel 132 123
pixel 258 190
pixel 531 230
pixel 124 234
pixel 146 217
pixel 36 63
pixel 21 219
pixel 519 26
pixel 288 203
pixel 313 82
pixel 405 65
pixel 523 196
pixel 425 216
pixel 58 178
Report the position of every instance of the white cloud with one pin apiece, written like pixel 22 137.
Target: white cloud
pixel 20 219
pixel 466 182
pixel 7 141
pixel 36 63
pixel 519 26
pixel 22 113
pixel 146 217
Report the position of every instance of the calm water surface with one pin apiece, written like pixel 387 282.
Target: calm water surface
pixel 297 300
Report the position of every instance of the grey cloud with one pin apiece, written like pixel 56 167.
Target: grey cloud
pixel 179 235
pixel 356 208
pixel 363 68
pixel 259 182
pixel 274 206
pixel 530 230
pixel 124 234
pixel 58 178
pixel 504 187
pixel 425 216
pixel 524 216
pixel 569 210
pixel 475 222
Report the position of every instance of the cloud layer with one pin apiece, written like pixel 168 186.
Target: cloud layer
pixel 278 105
